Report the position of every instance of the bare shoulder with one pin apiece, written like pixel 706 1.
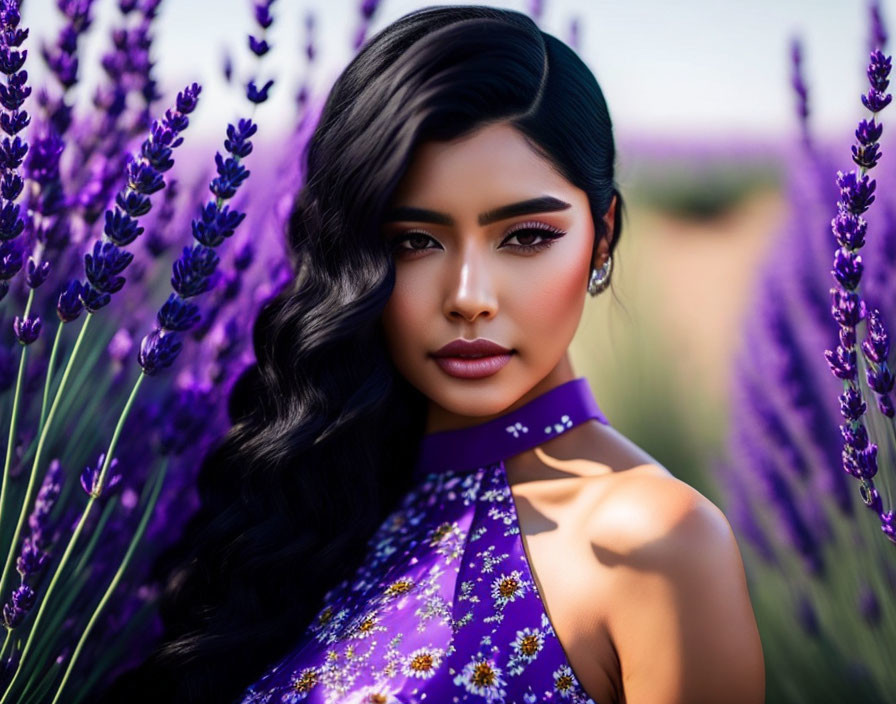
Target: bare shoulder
pixel 681 619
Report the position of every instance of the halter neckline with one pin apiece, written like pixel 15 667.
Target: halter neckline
pixel 549 414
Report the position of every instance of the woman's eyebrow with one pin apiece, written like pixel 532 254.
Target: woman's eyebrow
pixel 542 204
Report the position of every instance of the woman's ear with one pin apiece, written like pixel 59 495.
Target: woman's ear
pixel 602 250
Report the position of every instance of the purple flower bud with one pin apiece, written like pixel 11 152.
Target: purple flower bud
pixel 90 477
pixel 842 362
pixel 369 8
pixel 848 228
pixel 257 95
pixel 880 380
pixel 878 70
pixel 847 268
pixel 876 101
pixel 855 435
pixel 877 341
pixel 104 264
pixel 869 132
pixel 27 329
pixel 214 225
pixel 866 156
pixel 860 462
pixel 31 558
pixel 23 597
pixel 847 307
pixel 69 305
pixel 856 192
pixel 259 47
pixel 851 404
pixel 121 228
pixel 10 259
pixel 263 14
pixel 237 138
pixel 93 299
pixel 192 270
pixel 12 151
pixel 158 351
pixel 176 121
pixel 888 525
pixel 46 497
pixel 142 177
pixel 12 616
pixel 11 185
pixel 11 225
pixel 15 122
pixel 177 315
pixel 13 95
pixel 36 274
pixel 11 60
pixel 133 203
pixel 231 174
pixel 188 98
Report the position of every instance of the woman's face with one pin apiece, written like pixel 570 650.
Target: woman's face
pixel 467 268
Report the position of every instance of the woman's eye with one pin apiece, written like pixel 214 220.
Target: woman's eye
pixel 528 237
pixel 414 239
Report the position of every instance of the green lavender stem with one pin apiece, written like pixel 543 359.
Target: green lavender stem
pixel 141 528
pixel 13 423
pixel 32 483
pixel 77 532
pixel 52 364
pixel 72 586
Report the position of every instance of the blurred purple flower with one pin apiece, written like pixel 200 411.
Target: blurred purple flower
pixel 90 477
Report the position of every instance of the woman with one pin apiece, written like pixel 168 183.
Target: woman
pixel 419 500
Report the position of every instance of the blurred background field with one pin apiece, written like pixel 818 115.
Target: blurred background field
pixel 700 218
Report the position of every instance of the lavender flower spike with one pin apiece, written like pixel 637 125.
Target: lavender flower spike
pixel 192 272
pixel 848 308
pixel 12 151
pixel 144 172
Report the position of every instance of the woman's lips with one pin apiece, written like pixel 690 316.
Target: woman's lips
pixel 472 367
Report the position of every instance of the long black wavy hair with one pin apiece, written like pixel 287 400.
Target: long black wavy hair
pixel 324 429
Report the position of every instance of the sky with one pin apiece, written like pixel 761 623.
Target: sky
pixel 704 69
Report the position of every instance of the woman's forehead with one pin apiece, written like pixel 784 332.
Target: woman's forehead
pixel 492 166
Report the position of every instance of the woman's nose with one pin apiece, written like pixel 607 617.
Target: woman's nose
pixel 471 286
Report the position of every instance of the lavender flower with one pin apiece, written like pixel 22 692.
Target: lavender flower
pixel 27 329
pixel 859 455
pixel 192 272
pixel 144 172
pixel 90 476
pixel 62 59
pixel 12 151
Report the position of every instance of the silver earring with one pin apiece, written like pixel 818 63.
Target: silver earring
pixel 600 279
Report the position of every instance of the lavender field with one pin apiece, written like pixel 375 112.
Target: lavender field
pixel 115 210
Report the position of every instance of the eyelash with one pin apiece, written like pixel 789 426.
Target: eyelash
pixel 548 232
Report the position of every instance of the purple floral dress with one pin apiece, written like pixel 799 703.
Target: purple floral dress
pixel 444 607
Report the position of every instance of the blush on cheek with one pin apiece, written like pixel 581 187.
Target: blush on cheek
pixel 549 312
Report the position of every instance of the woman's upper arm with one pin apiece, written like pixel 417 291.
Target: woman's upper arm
pixel 682 624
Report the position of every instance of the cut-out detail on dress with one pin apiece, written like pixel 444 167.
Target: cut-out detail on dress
pixel 444 606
